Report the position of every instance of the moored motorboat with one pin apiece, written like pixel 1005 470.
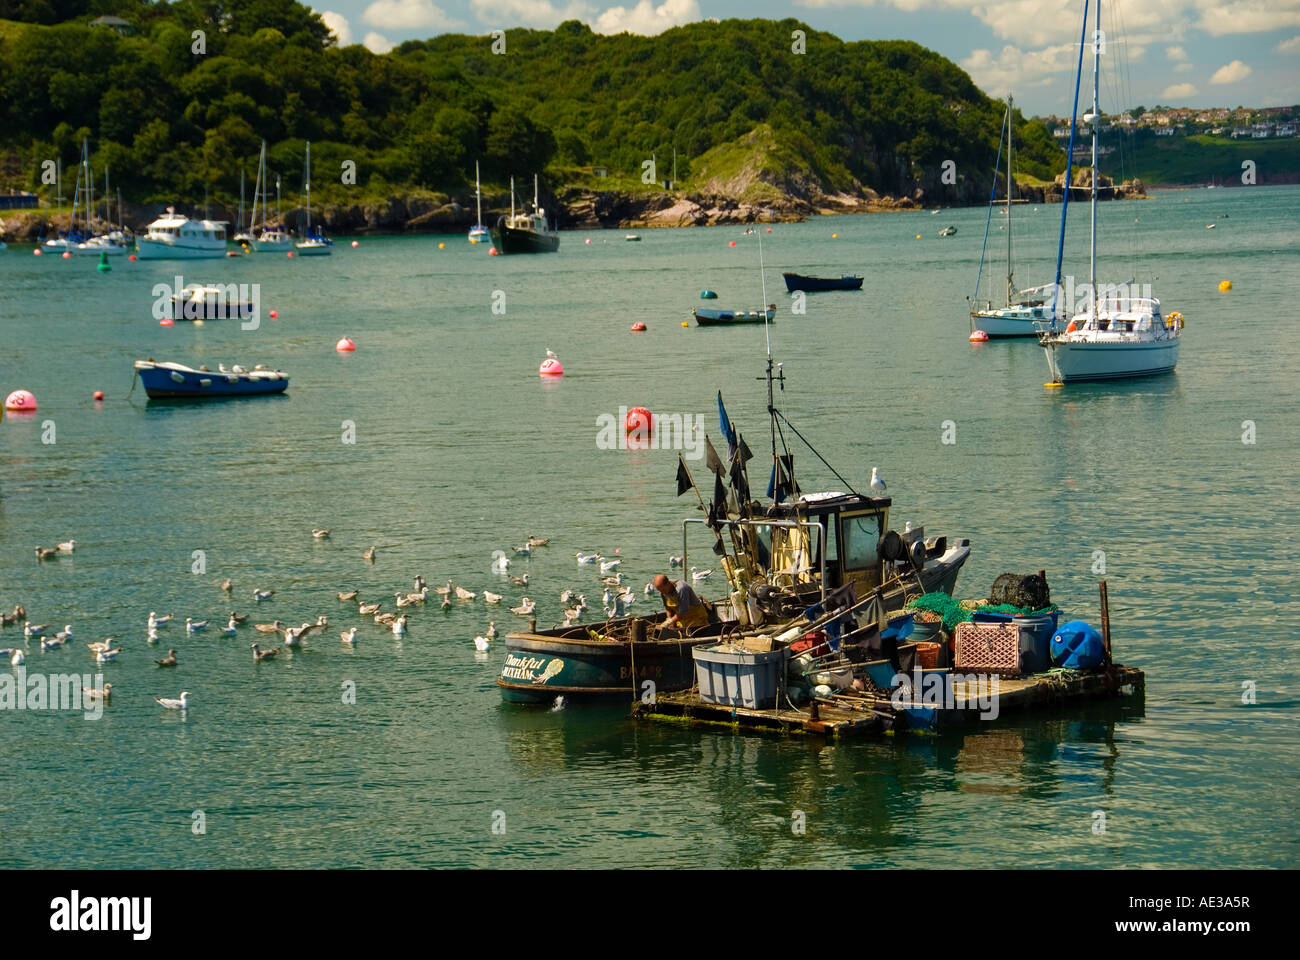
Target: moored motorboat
pixel 165 380
pixel 709 317
pixel 795 281
pixel 198 301
pixel 525 232
pixel 175 236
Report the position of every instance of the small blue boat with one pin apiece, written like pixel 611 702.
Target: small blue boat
pixel 175 380
pixel 795 281
pixel 708 317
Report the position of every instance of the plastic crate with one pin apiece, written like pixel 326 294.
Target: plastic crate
pixel 992 648
pixel 738 678
pixel 927 654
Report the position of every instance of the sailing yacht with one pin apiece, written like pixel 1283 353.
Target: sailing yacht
pixel 525 232
pixel 478 233
pixel 1023 308
pixel 69 242
pixel 312 244
pixel 245 237
pixel 114 243
pixel 1117 333
pixel 274 236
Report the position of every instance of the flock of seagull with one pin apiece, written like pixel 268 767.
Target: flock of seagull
pixel 616 598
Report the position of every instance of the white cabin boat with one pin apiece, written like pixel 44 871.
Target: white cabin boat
pixel 175 236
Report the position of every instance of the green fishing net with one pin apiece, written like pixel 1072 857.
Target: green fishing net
pixel 953 611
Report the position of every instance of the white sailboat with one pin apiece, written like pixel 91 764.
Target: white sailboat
pixel 1118 333
pixel 478 233
pixel 273 236
pixel 1023 308
pixel 312 244
pixel 69 242
pixel 246 237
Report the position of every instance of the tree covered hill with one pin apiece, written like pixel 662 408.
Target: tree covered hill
pixel 172 123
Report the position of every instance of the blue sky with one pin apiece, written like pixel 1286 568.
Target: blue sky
pixel 1197 53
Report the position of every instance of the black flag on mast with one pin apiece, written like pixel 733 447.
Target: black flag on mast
pixel 684 482
pixel 711 458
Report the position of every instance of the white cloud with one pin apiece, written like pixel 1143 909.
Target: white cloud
pixel 1249 16
pixel 1233 72
pixel 1289 46
pixel 339 26
pixel 408 15
pixel 647 19
pixel 1179 91
pixel 540 14
pixel 1175 53
pixel 1016 69
pixel 376 43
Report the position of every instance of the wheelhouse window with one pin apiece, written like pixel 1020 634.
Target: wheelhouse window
pixel 859 540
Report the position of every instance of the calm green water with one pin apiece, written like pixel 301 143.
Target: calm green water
pixel 461 450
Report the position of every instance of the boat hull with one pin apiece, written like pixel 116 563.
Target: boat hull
pixel 161 383
pixel 157 250
pixel 728 318
pixel 794 281
pixel 1010 322
pixel 510 240
pixel 312 249
pixel 1072 361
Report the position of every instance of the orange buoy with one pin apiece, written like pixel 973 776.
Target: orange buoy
pixel 36 252
pixel 732 243
pixel 166 322
pixel 639 420
pixel 66 255
pixel 98 395
pixel 638 327
pixel 1225 286
pixel 355 244
pixel 273 314
pixel 978 336
pixel 1071 327
pixel 289 254
pixel 132 257
pixel 769 229
pixel 442 246
pixel 20 401
pixel 492 251
pixel 344 345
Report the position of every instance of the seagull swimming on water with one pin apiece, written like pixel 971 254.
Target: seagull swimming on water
pixel 482 644
pixel 525 608
pixel 519 581
pixel 490 597
pixel 44 553
pixel 349 595
pixel 167 661
pixel 492 630
pixel 369 554
pixel 399 626
pixel 227 584
pixel 260 595
pixel 17 658
pixel 181 704
pixel 156 621
pixel 104 656
pixel 194 626
pixel 236 618
pixel 259 654
pixel 463 594
pixel 105 694
pixel 320 534
pixel 877 485
pixel 700 574
pixel 349 636
pixel 67 546
pixel 31 630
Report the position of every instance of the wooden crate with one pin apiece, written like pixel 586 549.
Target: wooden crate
pixel 988 648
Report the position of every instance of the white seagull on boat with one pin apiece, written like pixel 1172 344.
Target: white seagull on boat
pixel 877 485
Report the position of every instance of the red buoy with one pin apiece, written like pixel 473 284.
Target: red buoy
pixel 36 252
pixel 66 255
pixel 20 401
pixel 98 394
pixel 638 327
pixel 731 243
pixel 638 419
pixel 345 345
pixel 289 254
pixel 166 322
pixel 978 336
pixel 273 314
pixel 492 251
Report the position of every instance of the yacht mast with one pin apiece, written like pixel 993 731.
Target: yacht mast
pixel 1092 253
pixel 1010 285
pixel 478 198
pixel 307 186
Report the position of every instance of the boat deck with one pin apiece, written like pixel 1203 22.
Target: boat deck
pixel 859 717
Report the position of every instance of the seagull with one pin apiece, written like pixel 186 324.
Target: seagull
pixel 156 621
pixel 386 618
pixel 538 541
pixel 402 600
pixel 492 630
pixel 181 704
pixel 98 645
pixel 443 591
pixel 525 608
pixel 67 546
pixel 676 561
pixel 320 534
pixel 877 485
pixel 573 614
pixel 501 562
pixel 419 596
pixel 907 527
pixel 350 595
pixel 365 609
pixel 525 551
pixel 463 594
pixel 34 629
pixel 399 626
pixel 227 584
pixel 44 553
pixel 259 654
pixel 349 636
pixel 260 595
pixel 167 661
pixel 700 574
pixel 307 629
pixel 236 618
pixel 609 566
pixel 53 643
pixel 274 627
pixel 105 694
pixel 613 605
pixel 106 655
pixel 519 581
pixel 420 585
pixel 369 554
pixel 588 557
pixel 64 634
pixel 649 588
pixel 446 603
pixel 17 658
pixel 194 626
pixel 628 598
pixel 236 368
pixel 293 637
pixel 490 597
pixel 566 596
pixel 482 644
pixel 614 581
pixel 8 619
pixel 153 636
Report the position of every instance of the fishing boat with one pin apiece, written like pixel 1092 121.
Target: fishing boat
pixel 1023 308
pixel 709 317
pixel 632 238
pixel 478 233
pixel 312 244
pixel 175 236
pixel 1119 332
pixel 164 380
pixel 525 232
pixel 197 301
pixel 795 281
pixel 779 560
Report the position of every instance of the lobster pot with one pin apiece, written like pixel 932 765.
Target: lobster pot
pixel 739 678
pixel 992 648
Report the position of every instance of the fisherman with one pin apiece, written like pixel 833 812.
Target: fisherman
pixel 686 610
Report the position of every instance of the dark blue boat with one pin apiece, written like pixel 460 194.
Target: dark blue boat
pixel 795 281
pixel 708 317
pixel 175 380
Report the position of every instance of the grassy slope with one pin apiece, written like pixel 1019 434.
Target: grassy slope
pixel 1202 159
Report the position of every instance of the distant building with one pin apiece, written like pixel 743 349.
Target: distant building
pixel 1286 129
pixel 1165 131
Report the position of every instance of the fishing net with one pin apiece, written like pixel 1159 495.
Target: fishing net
pixel 953 611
